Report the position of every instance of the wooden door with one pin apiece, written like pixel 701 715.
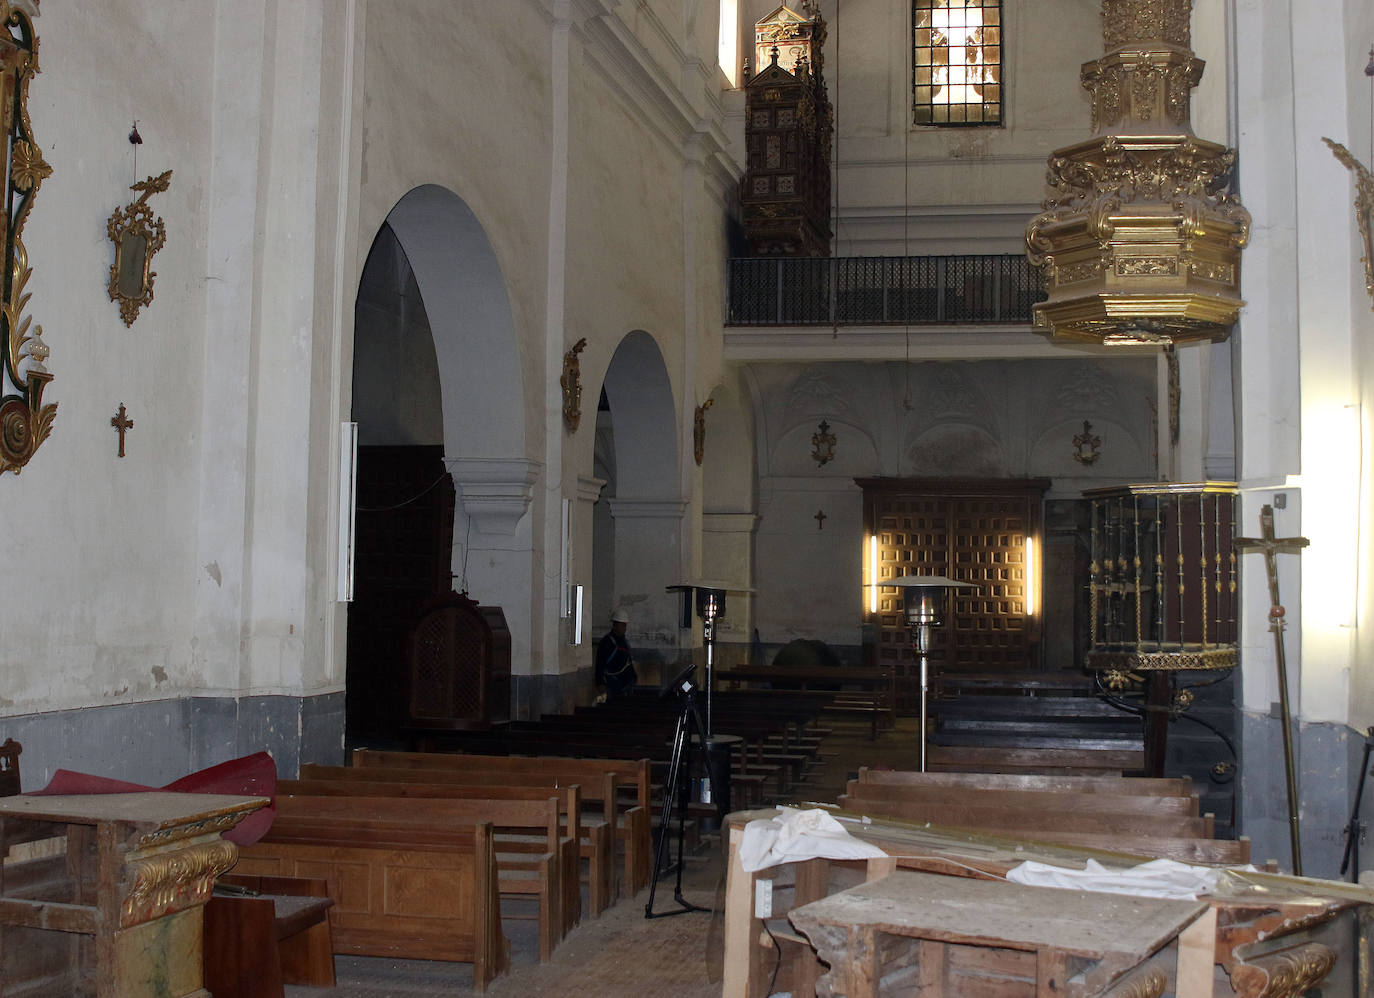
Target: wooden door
pixel 971 531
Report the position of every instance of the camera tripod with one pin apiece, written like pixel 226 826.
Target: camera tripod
pixel 689 727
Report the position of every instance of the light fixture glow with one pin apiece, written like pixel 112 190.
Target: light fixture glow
pixel 872 573
pixel 348 508
pixel 1032 577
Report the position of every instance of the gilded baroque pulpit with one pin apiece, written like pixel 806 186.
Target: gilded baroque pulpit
pixel 102 895
pixel 785 194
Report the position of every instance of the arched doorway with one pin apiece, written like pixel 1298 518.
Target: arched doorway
pixel 637 544
pixel 439 402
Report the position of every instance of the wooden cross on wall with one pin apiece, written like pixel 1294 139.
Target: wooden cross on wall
pixel 122 424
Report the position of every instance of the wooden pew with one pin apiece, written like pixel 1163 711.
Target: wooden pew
pixel 401 889
pixel 275 932
pixel 595 843
pixel 602 782
pixel 1150 824
pixel 549 877
pixel 979 759
pixel 1137 785
pixel 859 792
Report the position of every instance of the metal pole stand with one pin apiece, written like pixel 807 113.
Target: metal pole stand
pixel 688 723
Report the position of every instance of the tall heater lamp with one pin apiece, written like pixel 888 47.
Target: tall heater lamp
pixel 925 601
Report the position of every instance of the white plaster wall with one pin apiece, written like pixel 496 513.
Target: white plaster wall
pixel 101 550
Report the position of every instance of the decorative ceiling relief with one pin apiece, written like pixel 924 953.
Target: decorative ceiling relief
pixel 952 395
pixel 25 420
pixel 1085 388
pixel 817 392
pixel 956 451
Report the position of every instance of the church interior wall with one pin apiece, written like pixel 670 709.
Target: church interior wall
pixel 166 625
pixel 995 419
pixel 73 636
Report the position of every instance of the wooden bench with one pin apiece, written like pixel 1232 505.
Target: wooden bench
pixel 980 759
pixel 595 843
pixel 621 788
pixel 401 890
pixel 547 875
pixel 1135 785
pixel 266 932
pixel 1150 825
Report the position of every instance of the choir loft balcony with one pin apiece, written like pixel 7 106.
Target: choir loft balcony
pixel 884 308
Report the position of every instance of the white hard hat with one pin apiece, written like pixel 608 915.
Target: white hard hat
pixel 620 616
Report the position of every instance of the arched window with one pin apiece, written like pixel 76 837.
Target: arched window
pixel 956 65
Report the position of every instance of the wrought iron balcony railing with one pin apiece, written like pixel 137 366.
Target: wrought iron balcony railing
pixel 882 290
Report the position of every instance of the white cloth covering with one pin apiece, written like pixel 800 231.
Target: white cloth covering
pixel 794 835
pixel 1161 878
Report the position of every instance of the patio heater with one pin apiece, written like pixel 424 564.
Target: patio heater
pixel 925 602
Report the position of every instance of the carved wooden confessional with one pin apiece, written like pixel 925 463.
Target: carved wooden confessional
pixel 459 665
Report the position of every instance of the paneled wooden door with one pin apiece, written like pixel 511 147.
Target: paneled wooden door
pixel 982 532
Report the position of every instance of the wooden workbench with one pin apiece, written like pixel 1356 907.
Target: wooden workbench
pixel 955 936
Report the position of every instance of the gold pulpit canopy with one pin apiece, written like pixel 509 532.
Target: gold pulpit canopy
pixel 1139 240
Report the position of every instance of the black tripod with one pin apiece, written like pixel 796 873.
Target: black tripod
pixel 688 726
pixel 1354 831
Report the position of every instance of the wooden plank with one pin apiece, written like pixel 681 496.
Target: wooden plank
pixel 1077 802
pixel 1134 785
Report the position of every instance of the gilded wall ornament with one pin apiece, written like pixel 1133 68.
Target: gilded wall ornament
pixel 822 444
pixel 1087 447
pixel 571 383
pixel 137 235
pixel 699 430
pixel 25 421
pixel 1364 206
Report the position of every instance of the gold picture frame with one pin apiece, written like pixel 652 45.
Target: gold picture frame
pixel 137 235
pixel 1364 208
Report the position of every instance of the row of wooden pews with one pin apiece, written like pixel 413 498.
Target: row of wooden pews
pixel 420 849
pixel 1149 817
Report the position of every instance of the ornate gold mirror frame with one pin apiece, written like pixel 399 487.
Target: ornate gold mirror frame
pixel 25 421
pixel 1364 208
pixel 137 234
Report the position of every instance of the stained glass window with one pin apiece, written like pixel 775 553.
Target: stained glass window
pixel 956 65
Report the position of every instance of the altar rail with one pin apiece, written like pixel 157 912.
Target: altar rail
pixel 882 290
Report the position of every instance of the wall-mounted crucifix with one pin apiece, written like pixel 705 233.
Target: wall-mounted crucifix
pixel 820 519
pixel 122 424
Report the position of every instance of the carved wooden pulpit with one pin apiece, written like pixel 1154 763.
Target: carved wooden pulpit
pixel 102 895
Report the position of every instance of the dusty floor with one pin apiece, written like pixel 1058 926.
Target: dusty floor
pixel 622 952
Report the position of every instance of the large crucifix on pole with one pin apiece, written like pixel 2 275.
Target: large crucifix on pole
pixel 1271 546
